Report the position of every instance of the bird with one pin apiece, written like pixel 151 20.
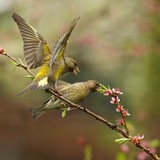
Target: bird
pixel 75 93
pixel 53 63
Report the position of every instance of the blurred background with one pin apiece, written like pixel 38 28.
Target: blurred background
pixel 115 43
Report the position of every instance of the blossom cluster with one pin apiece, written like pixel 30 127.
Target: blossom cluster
pixel 114 93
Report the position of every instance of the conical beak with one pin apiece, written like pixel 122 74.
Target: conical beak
pixel 98 88
pixel 75 71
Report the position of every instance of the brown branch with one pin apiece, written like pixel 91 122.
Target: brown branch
pixel 94 115
pixel 125 125
pixel 19 64
pixel 105 121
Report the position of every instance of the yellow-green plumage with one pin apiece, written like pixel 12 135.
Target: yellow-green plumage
pixel 75 93
pixel 38 54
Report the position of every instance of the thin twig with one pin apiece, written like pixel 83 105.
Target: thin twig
pixel 19 64
pixel 105 121
pixel 97 117
pixel 125 125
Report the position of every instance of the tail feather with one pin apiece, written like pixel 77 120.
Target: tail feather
pixel 40 110
pixel 26 89
pixel 36 113
pixel 36 85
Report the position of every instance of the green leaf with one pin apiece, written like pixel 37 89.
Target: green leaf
pixel 13 63
pixel 121 156
pixel 29 76
pixel 103 87
pixel 122 140
pixel 64 113
pixel 14 69
pixel 20 61
pixel 108 87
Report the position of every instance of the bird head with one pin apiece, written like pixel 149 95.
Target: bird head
pixel 93 85
pixel 72 66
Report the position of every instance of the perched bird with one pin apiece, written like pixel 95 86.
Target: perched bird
pixel 75 93
pixel 37 53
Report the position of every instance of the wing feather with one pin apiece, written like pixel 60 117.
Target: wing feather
pixel 34 44
pixel 61 43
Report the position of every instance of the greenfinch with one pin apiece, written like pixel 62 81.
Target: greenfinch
pixel 37 53
pixel 75 93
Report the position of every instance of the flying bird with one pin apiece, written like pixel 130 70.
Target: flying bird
pixel 53 63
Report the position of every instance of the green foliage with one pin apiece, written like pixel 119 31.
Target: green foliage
pixel 64 113
pixel 103 88
pixel 122 140
pixel 29 76
pixel 14 65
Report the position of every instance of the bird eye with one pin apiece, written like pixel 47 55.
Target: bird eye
pixel 97 84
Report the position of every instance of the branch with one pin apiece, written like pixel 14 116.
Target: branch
pixel 106 122
pixel 94 115
pixel 19 64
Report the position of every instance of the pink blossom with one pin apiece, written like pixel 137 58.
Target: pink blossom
pixel 117 91
pixel 120 121
pixel 119 108
pixel 108 92
pixel 125 113
pixel 137 139
pixel 115 100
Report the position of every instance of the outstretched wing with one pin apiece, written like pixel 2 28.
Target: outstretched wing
pixel 36 49
pixel 61 43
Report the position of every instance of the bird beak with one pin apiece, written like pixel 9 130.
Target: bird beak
pixel 98 88
pixel 75 71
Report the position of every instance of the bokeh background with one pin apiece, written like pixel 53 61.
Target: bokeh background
pixel 116 43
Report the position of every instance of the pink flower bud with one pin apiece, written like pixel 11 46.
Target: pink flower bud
pixel 1 50
pixel 108 92
pixel 120 121
pixel 137 139
pixel 125 113
pixel 119 108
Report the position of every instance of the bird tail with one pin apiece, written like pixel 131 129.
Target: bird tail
pixel 37 112
pixel 26 89
pixel 36 85
pixel 40 110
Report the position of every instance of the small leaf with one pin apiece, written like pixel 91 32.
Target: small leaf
pixel 29 76
pixel 20 61
pixel 109 87
pixel 14 69
pixel 64 113
pixel 103 87
pixel 101 91
pixel 13 63
pixel 122 140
